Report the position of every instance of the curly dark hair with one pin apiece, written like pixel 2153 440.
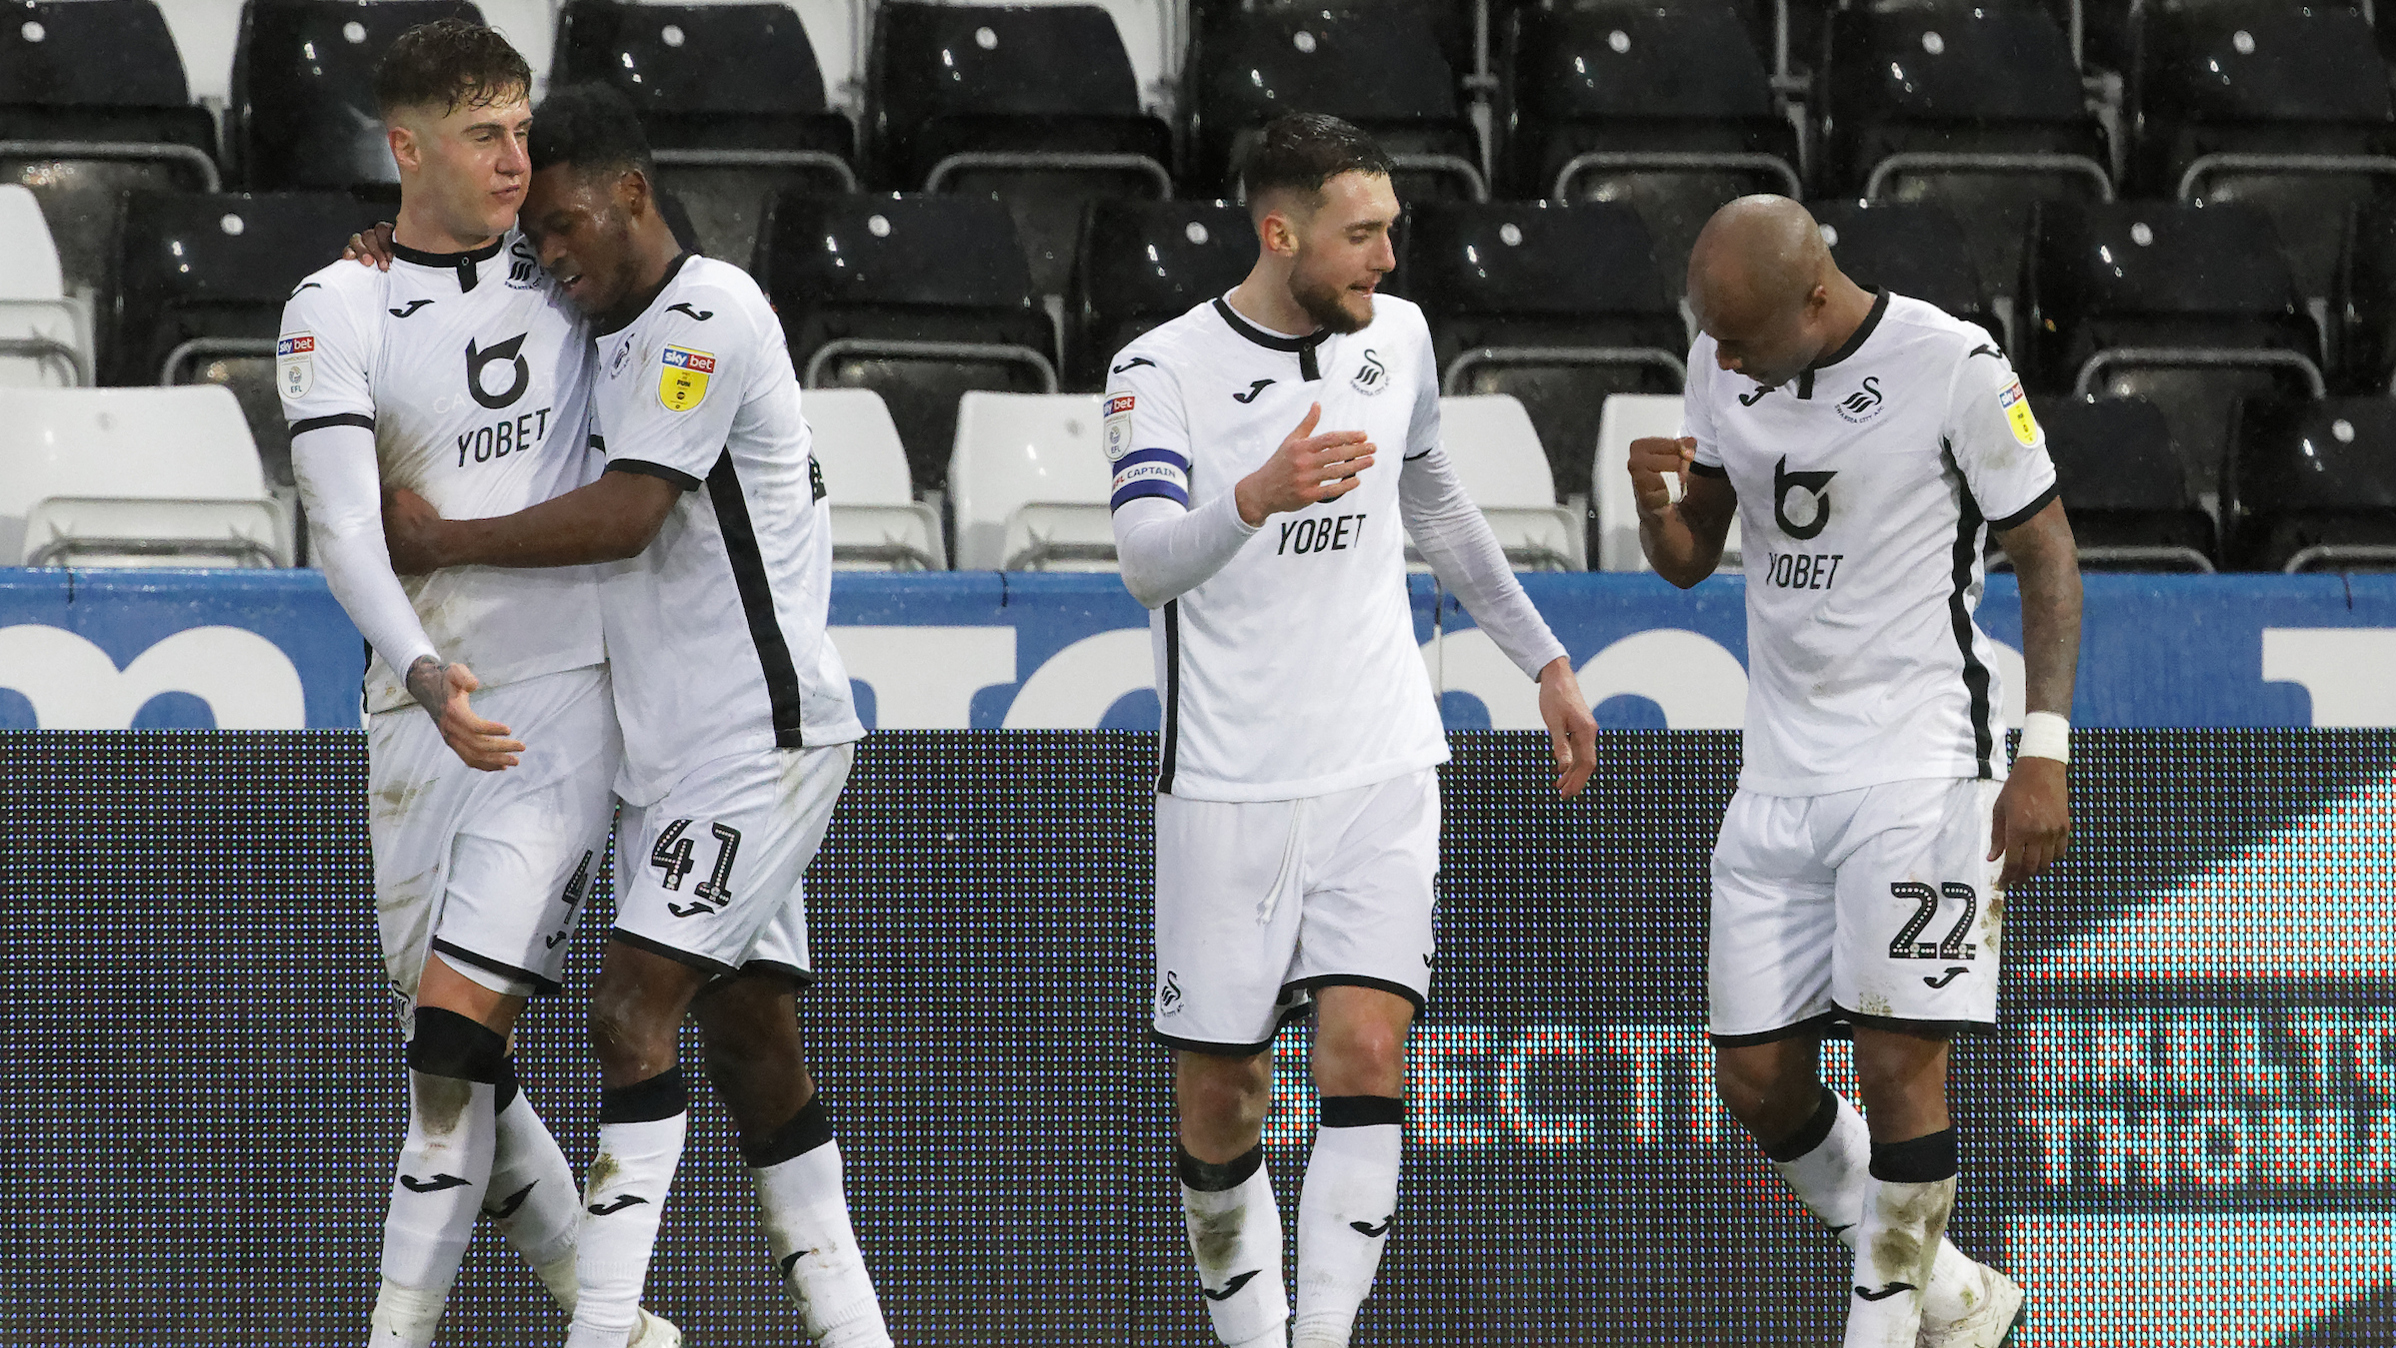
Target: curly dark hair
pixel 1301 151
pixel 450 64
pixel 591 126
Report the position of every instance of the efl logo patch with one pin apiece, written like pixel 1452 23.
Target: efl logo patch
pixel 2017 412
pixel 1117 439
pixel 295 364
pixel 682 384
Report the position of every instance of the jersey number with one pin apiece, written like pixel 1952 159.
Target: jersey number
pixel 1905 947
pixel 672 857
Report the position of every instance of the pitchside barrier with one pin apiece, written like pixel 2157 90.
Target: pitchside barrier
pixel 2185 1133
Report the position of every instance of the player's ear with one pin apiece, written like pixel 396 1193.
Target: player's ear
pixel 634 193
pixel 406 151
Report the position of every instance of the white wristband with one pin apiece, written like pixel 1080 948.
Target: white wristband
pixel 2045 735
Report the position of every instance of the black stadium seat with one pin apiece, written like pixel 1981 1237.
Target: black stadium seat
pixel 1914 248
pixel 1559 305
pixel 2363 299
pixel 1379 67
pixel 93 102
pixel 2280 105
pixel 1973 104
pixel 2130 506
pixel 1143 262
pixel 303 113
pixel 920 298
pixel 2190 307
pixel 204 277
pixel 1035 105
pixel 2312 486
pixel 731 97
pixel 1666 108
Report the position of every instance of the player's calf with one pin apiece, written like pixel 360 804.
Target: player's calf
pixel 454 1066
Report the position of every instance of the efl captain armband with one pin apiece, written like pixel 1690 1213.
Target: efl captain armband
pixel 2046 735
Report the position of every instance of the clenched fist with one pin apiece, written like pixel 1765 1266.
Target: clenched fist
pixel 1651 458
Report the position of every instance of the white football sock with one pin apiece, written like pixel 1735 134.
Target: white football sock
pixel 641 1131
pixel 1344 1215
pixel 1896 1246
pixel 1235 1234
pixel 531 1195
pixel 1832 1179
pixel 815 1248
pixel 443 1168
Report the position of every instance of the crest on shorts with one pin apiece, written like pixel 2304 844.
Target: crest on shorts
pixel 682 379
pixel 1117 435
pixel 295 364
pixel 2017 412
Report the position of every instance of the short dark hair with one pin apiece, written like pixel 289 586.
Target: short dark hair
pixel 1300 151
pixel 449 64
pixel 591 126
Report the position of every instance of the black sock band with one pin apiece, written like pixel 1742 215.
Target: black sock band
pixel 1208 1178
pixel 447 1044
pixel 808 1129
pixel 1919 1160
pixel 1361 1111
pixel 660 1097
pixel 509 1087
pixel 1810 1134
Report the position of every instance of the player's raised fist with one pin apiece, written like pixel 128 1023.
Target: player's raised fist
pixel 1306 469
pixel 1651 458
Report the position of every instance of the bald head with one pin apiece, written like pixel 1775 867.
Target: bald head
pixel 1763 286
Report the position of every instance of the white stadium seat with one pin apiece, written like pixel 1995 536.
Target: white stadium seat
pixel 530 26
pixel 877 524
pixel 133 477
pixel 1496 452
pixel 44 336
pixel 1029 483
pixel 206 33
pixel 1628 417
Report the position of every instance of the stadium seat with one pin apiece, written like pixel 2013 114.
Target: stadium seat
pixel 44 336
pixel 1141 263
pixel 133 477
pixel 530 26
pixel 1914 248
pixel 2190 307
pixel 303 113
pixel 92 102
pixel 920 298
pixel 1975 105
pixel 205 33
pixel 1628 417
pixel 204 281
pixel 2280 105
pixel 1029 484
pixel 2363 301
pixel 1497 456
pixel 2312 486
pixel 1666 108
pixel 732 100
pixel 2129 503
pixel 1035 105
pixel 877 524
pixel 1558 305
pixel 1380 67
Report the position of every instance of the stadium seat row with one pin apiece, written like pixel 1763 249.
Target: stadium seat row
pixel 148 477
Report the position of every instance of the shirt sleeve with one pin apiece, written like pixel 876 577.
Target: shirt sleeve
pixel 323 362
pixel 1456 539
pixel 1145 435
pixel 1697 410
pixel 1997 444
pixel 669 413
pixel 1422 431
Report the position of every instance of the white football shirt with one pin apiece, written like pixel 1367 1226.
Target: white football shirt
pixel 1293 670
pixel 716 631
pixel 475 377
pixel 1867 487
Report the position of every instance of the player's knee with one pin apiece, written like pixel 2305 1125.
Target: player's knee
pixel 1756 1090
pixel 625 1028
pixel 1367 1059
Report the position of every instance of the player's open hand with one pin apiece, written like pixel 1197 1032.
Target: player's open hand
pixel 1306 469
pixel 370 247
pixel 412 533
pixel 441 690
pixel 1651 458
pixel 1571 730
pixel 2033 822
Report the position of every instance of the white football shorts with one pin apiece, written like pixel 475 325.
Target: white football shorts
pixel 711 874
pixel 1258 903
pixel 1877 906
pixel 491 868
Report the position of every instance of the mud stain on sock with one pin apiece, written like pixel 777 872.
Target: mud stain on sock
pixel 1216 1236
pixel 441 1102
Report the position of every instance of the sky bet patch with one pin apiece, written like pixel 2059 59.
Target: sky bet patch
pixel 1118 425
pixel 2017 411
pixel 295 363
pixel 682 384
